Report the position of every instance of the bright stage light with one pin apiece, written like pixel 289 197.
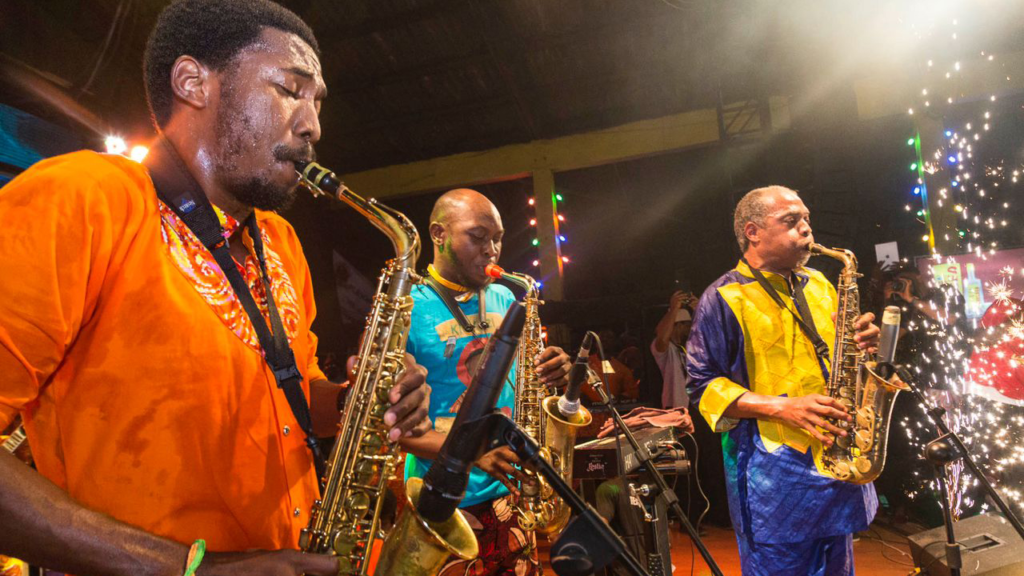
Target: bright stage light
pixel 115 145
pixel 138 153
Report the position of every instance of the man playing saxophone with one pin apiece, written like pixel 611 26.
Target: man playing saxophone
pixel 163 419
pixel 454 313
pixel 756 376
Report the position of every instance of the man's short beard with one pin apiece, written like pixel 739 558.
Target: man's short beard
pixel 258 192
pixel 449 252
pixel 804 259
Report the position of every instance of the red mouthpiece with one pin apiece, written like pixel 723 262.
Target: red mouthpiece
pixel 494 271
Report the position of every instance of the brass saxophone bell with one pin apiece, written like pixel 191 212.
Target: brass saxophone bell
pixel 416 547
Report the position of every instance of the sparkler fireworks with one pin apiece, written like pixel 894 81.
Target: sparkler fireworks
pixel 973 362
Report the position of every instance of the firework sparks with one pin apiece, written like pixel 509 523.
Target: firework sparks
pixel 968 365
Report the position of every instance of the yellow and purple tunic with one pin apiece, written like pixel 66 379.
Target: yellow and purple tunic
pixel 743 341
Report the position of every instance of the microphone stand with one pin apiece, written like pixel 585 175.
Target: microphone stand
pixel 645 458
pixel 588 543
pixel 944 450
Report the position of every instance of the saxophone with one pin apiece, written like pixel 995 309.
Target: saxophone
pixel 536 412
pixel 346 519
pixel 859 456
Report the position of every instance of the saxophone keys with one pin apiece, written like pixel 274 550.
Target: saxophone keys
pixel 865 441
pixel 863 465
pixel 841 470
pixel 844 442
pixel 365 470
pixel 372 443
pixel 866 417
pixel 358 504
pixel 527 520
pixel 344 548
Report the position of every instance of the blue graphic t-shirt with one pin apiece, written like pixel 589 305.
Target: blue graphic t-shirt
pixel 451 356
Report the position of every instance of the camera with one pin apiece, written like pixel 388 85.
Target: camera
pixel 899 285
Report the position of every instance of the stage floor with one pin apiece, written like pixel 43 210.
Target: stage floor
pixel 879 552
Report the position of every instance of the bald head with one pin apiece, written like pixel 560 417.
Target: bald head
pixel 466 231
pixel 456 203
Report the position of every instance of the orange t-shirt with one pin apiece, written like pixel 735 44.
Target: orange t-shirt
pixel 139 377
pixel 621 380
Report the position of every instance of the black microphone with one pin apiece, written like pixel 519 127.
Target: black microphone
pixel 890 334
pixel 444 484
pixel 569 403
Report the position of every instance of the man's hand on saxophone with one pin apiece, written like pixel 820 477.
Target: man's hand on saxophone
pixel 409 398
pixel 553 366
pixel 806 412
pixel 501 463
pixel 867 333
pixel 803 412
pixel 410 401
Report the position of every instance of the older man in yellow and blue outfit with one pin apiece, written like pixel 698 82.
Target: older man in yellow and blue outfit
pixel 756 378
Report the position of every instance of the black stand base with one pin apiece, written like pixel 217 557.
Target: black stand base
pixel 588 543
pixel 942 451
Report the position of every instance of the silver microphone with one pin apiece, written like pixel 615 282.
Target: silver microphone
pixel 890 334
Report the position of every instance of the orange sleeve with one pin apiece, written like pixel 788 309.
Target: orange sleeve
pixel 57 244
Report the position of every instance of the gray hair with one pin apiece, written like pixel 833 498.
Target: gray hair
pixel 753 207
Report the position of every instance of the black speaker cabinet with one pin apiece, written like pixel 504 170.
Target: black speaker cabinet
pixel 989 546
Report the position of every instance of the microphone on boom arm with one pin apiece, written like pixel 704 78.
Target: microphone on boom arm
pixel 444 484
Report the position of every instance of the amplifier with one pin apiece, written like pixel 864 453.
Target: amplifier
pixel 599 459
pixel 989 546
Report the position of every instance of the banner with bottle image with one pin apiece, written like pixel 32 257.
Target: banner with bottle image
pixel 993 287
pixel 979 278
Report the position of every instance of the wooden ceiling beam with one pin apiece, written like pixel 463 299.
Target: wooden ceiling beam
pixel 617 144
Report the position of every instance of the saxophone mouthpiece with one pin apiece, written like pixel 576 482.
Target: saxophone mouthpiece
pixel 318 177
pixel 494 271
pixel 815 248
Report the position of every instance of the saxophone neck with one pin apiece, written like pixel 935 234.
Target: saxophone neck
pixel 396 226
pixel 524 281
pixel 403 235
pixel 845 256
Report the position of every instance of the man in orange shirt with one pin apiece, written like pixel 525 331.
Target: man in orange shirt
pixel 622 386
pixel 161 407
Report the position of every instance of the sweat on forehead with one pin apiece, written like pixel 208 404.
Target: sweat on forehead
pixel 460 203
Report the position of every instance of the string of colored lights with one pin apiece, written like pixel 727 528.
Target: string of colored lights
pixel 559 221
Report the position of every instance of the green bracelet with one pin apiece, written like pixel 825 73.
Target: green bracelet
pixel 195 556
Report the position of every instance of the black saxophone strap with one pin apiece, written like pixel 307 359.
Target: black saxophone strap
pixel 179 191
pixel 454 308
pixel 802 315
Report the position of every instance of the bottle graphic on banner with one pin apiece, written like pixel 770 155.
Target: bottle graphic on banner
pixel 974 294
pixel 949 274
